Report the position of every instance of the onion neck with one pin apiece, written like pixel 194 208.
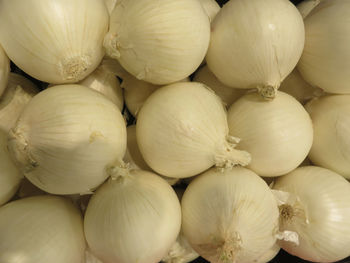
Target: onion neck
pixel 119 171
pixel 227 156
pixel 268 92
pixel 74 69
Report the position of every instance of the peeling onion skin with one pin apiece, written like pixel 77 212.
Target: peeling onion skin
pixel 58 41
pixel 248 47
pixel 41 229
pixel 162 43
pixel 325 61
pixel 318 211
pixel 278 133
pixel 331 121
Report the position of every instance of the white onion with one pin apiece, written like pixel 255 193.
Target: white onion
pixel 106 83
pixel 110 4
pixel 331 121
pixel 294 85
pixel 132 218
pixel 57 41
pixel 211 8
pixel 66 138
pixel 227 94
pixel 314 203
pixel 18 93
pixel 182 131
pixel 326 56
pixel 4 70
pixel 255 44
pixel 158 41
pixel 10 177
pixel 230 216
pixel 41 229
pixel 277 133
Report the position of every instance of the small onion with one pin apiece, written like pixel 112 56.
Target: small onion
pixel 296 86
pixel 10 177
pixel 4 70
pixel 227 94
pixel 56 41
pixel 248 47
pixel 105 82
pixel 211 8
pixel 132 218
pixel 331 121
pixel 66 138
pixel 314 203
pixel 41 229
pixel 18 93
pixel 182 131
pixel 278 133
pixel 158 41
pixel 325 61
pixel 230 216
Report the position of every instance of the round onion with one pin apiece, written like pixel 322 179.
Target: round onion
pixel 66 138
pixel 278 133
pixel 162 43
pixel 4 70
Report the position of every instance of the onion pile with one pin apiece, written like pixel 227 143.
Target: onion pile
pixel 169 130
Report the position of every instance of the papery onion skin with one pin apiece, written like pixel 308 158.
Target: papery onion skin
pixel 331 121
pixel 278 133
pixel 41 229
pixel 325 61
pixel 227 94
pixel 229 216
pixel 10 177
pixel 320 216
pixel 58 41
pixel 162 43
pixel 132 219
pixel 182 131
pixel 66 138
pixel 4 70
pixel 18 93
pixel 248 47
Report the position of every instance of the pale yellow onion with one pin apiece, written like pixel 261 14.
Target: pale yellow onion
pixel 331 121
pixel 278 133
pixel 90 258
pixel 134 157
pixel 227 94
pixel 106 83
pixel 230 216
pixel 110 4
pixel 182 131
pixel 41 229
pixel 315 205
pixel 66 138
pixel 181 251
pixel 134 217
pixel 326 56
pixel 306 6
pixel 248 47
pixel 296 86
pixel 137 91
pixel 18 93
pixel 10 176
pixel 211 8
pixel 4 70
pixel 57 41
pixel 158 41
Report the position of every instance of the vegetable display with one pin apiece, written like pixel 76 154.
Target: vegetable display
pixel 174 131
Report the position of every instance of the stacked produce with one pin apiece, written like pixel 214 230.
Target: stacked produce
pixel 147 131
